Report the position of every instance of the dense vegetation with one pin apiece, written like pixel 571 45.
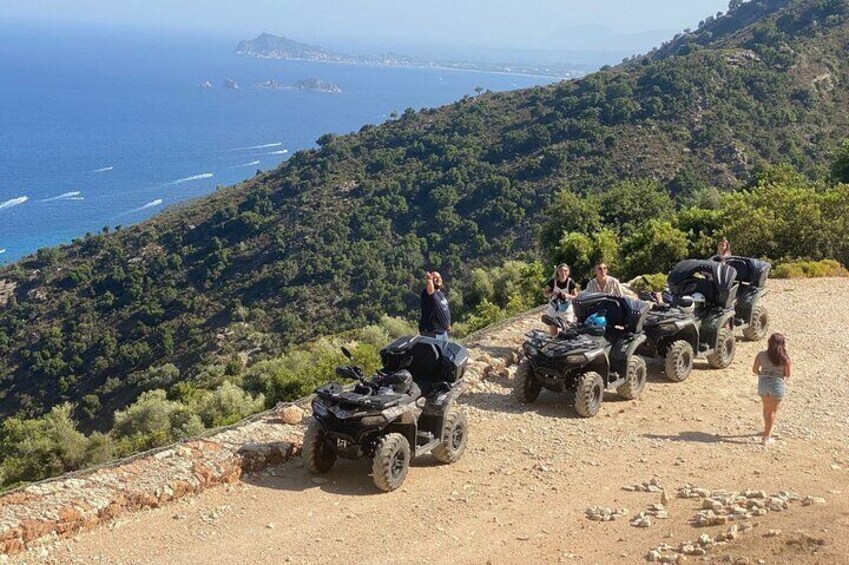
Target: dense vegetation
pixel 201 302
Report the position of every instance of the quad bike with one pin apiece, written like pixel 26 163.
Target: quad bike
pixel 585 359
pixel 406 410
pixel 695 318
pixel 750 315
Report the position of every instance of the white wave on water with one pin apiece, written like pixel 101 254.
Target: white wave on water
pixel 190 179
pixel 264 146
pixel 103 170
pixel 153 204
pixel 251 164
pixel 66 196
pixel 277 152
pixel 2 251
pixel 13 202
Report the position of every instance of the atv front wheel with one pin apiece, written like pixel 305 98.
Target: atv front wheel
pixel 526 388
pixel 589 394
pixel 455 434
pixel 679 361
pixel 726 346
pixel 635 379
pixel 317 455
pixel 759 327
pixel 391 462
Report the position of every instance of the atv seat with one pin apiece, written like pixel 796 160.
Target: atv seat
pixel 401 382
pixel 622 313
pixel 716 281
pixel 753 272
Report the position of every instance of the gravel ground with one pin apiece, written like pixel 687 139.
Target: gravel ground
pixel 521 491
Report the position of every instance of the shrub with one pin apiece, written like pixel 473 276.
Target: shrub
pixel 397 327
pixel 226 405
pixel 648 283
pixel 31 450
pixel 152 421
pixel 485 314
pixel 810 269
pixel 373 335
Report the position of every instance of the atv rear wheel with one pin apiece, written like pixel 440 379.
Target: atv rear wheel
pixel 455 434
pixel 679 361
pixel 726 347
pixel 589 394
pixel 635 379
pixel 391 462
pixel 317 455
pixel 526 388
pixel 759 327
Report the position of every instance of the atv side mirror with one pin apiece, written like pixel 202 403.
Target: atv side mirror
pixel 347 353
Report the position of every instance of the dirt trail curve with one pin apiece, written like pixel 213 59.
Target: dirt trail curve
pixel 520 492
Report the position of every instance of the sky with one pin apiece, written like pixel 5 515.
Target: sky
pixel 529 24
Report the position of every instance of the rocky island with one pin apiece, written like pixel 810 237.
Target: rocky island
pixel 312 85
pixel 315 85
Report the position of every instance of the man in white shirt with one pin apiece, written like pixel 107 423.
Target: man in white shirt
pixel 604 283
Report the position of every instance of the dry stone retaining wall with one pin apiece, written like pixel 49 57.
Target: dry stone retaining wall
pixel 66 505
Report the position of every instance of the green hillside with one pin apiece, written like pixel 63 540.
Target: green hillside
pixel 340 235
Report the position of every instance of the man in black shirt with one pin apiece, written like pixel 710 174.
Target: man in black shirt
pixel 436 317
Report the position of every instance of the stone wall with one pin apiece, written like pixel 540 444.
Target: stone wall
pixel 72 503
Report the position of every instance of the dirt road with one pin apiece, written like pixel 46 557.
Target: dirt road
pixel 520 492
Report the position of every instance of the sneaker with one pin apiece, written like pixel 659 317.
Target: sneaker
pixel 768 441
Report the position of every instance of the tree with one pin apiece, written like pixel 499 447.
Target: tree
pixel 582 252
pixel 840 164
pixel 654 248
pixel 568 213
pixel 632 203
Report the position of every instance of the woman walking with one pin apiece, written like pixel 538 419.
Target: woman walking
pixel 773 369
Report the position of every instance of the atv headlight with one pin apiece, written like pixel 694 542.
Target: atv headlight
pixel 319 409
pixel 374 421
pixel 577 358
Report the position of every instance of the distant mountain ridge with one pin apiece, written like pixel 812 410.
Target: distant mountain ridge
pixel 269 46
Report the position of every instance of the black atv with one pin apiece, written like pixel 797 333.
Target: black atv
pixel 695 320
pixel 407 409
pixel 584 359
pixel 750 315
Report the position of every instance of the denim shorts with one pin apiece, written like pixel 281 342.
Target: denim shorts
pixel 771 386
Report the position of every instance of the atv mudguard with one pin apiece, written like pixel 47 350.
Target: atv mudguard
pixel 747 300
pixel 711 324
pixel 437 406
pixel 689 333
pixel 600 364
pixel 620 356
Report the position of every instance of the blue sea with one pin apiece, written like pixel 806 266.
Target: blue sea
pixel 105 127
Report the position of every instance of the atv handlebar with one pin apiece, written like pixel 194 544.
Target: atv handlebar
pixel 350 372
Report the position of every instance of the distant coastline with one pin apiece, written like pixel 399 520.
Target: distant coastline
pixel 269 46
